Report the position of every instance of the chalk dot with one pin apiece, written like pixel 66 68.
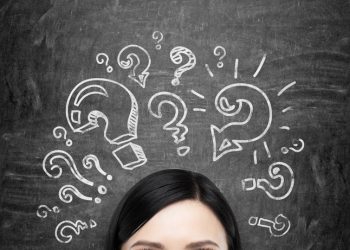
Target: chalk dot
pixel 175 82
pixel 102 189
pixel 158 47
pixel 109 69
pixel 284 150
pixel 109 177
pixel 276 170
pixel 97 200
pixel 220 65
pixel 69 142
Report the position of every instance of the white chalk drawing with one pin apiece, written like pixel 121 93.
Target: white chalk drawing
pixel 285 128
pixel 267 149
pixel 176 125
pixel 223 145
pixel 272 191
pixel 158 37
pixel 209 70
pixel 199 110
pixel 83 117
pixel 90 161
pixel 137 150
pixel 298 146
pixel 287 109
pixel 197 94
pixel 277 228
pixel 221 53
pixel 183 150
pixel 75 227
pixel 255 157
pixel 66 194
pixel 236 69
pixel 43 210
pixel 55 170
pixel 129 58
pixel 260 66
pixel 286 87
pixel 59 132
pixel 102 58
pixel 177 56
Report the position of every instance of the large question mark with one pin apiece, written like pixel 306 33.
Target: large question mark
pixel 176 125
pixel 277 228
pixel 176 56
pixel 221 52
pixel 43 210
pixel 59 132
pixel 298 146
pixel 103 58
pixel 275 192
pixel 231 136
pixel 129 54
pixel 76 227
pixel 158 36
pixel 65 193
pixel 91 160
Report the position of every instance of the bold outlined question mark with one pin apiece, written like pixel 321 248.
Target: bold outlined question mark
pixel 155 105
pixel 177 55
pixel 102 58
pixel 43 210
pixel 75 227
pixel 59 132
pixel 66 194
pixel 158 36
pixel 277 228
pixel 221 52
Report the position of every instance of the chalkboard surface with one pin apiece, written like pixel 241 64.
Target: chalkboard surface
pixel 96 95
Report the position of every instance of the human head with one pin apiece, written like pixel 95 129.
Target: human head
pixel 160 190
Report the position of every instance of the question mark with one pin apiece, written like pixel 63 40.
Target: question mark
pixel 277 228
pixel 158 36
pixel 176 125
pixel 66 196
pixel 76 227
pixel 103 58
pixel 128 52
pixel 91 160
pixel 67 158
pixel 177 58
pixel 272 191
pixel 43 210
pixel 60 132
pixel 220 51
pixel 296 147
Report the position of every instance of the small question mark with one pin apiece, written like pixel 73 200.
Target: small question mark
pixel 220 51
pixel 59 132
pixel 177 58
pixel 272 191
pixel 298 146
pixel 91 160
pixel 66 196
pixel 176 125
pixel 158 36
pixel 277 228
pixel 136 74
pixel 76 227
pixel 102 58
pixel 43 210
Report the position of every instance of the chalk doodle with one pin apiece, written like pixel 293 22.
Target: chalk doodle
pixel 66 194
pixel 59 132
pixel 102 58
pixel 286 87
pixel 129 58
pixel 128 164
pixel 209 70
pixel 235 74
pixel 90 161
pixel 221 53
pixel 277 228
pixel 176 56
pixel 260 66
pixel 298 146
pixel 43 210
pixel 55 170
pixel 109 97
pixel 273 191
pixel 241 93
pixel 158 37
pixel 75 227
pixel 155 104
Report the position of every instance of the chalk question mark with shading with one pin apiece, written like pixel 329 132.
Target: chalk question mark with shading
pixel 59 132
pixel 76 227
pixel 274 192
pixel 298 146
pixel 277 228
pixel 91 160
pixel 102 58
pixel 129 58
pixel 158 36
pixel 66 194
pixel 43 210
pixel 155 104
pixel 221 52
pixel 176 56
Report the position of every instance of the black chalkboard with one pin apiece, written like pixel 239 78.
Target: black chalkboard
pixel 96 95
